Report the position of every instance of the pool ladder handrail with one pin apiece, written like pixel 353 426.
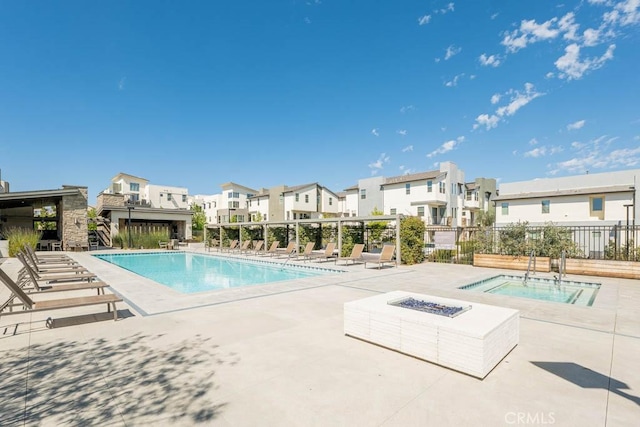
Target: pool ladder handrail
pixel 288 258
pixel 562 268
pixel 532 257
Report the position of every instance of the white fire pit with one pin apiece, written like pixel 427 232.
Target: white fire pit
pixel 468 337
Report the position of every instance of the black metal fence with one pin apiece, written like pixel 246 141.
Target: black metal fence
pixel 611 242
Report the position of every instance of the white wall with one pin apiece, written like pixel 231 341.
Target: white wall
pixel 162 196
pixel 351 203
pixel 565 210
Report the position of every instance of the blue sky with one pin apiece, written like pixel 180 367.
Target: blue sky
pixel 265 93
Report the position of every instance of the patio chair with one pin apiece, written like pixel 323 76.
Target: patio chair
pixel 385 257
pixel 50 269
pixel 325 255
pixel 163 245
pixel 356 255
pixel 243 248
pixel 29 281
pixel 48 258
pixel 308 248
pixel 288 251
pixel 272 249
pixel 55 304
pixel 257 246
pixel 60 276
pixel 232 246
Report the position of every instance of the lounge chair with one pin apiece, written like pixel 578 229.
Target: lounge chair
pixel 212 244
pixel 308 249
pixel 163 245
pixel 60 276
pixel 49 258
pixel 49 268
pixel 30 278
pixel 257 247
pixel 385 257
pixel 288 251
pixel 356 255
pixel 272 249
pixel 325 255
pixel 55 304
pixel 243 248
pixel 232 246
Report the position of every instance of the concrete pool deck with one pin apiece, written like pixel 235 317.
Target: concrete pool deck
pixel 277 355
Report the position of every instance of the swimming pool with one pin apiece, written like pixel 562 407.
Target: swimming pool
pixel 567 292
pixel 190 273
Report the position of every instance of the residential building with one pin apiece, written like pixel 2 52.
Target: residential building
pixel 234 203
pixel 437 196
pixel 132 201
pixel 309 201
pixel 478 198
pixel 591 199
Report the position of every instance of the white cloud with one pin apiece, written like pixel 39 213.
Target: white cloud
pixel 568 26
pixel 495 98
pixel 518 100
pixel 576 125
pixel 454 82
pixel 307 20
pixel 424 20
pixel 447 146
pixel 451 52
pixel 407 148
pixel 379 164
pixel 595 155
pixel 577 144
pixel 121 83
pixel 472 77
pixel 571 67
pixel 486 120
pixel 533 141
pixel 536 152
pixel 494 16
pixel 402 132
pixel 407 108
pixel 590 37
pixel 549 75
pixel 626 12
pixel 375 132
pixel 514 152
pixel 529 32
pixel 489 61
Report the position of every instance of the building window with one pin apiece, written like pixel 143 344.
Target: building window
pixel 429 186
pixel 258 202
pixel 442 187
pixel 184 198
pixel 596 206
pixel 306 198
pixel 168 197
pixel 297 197
pixel 392 211
pixel 505 208
pixel 420 210
pixel 545 206
pixel 209 204
pixel 407 188
pixel 469 195
pixel 134 186
pixel 363 194
pixel 330 201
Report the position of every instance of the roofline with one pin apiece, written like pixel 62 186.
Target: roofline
pixel 128 174
pixel 40 193
pixel 557 193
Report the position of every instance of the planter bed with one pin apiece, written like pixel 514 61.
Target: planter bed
pixel 604 268
pixel 510 262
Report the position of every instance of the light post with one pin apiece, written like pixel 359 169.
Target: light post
pixel 130 208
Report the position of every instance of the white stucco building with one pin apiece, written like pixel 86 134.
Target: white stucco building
pixel 591 199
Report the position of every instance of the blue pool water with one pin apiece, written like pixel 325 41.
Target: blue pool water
pixel 567 292
pixel 191 273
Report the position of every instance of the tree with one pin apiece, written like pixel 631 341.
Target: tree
pixel 198 218
pixel 92 215
pixel 376 228
pixel 412 240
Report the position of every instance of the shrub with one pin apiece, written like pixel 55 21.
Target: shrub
pixel 442 255
pixel 412 240
pixel 145 240
pixel 18 237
